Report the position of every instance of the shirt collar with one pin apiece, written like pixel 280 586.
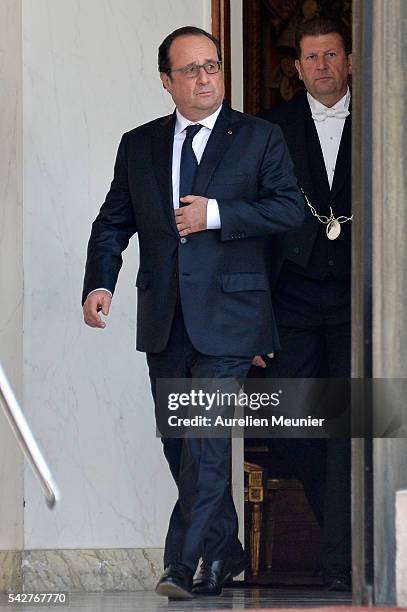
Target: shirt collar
pixel 317 106
pixel 182 122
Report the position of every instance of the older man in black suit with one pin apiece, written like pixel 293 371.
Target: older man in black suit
pixel 311 270
pixel 203 188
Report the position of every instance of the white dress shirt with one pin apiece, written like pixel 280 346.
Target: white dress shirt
pixel 198 145
pixel 330 132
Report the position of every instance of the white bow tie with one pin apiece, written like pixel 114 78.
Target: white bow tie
pixel 324 113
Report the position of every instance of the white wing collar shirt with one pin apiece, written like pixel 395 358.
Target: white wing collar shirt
pixel 198 145
pixel 329 123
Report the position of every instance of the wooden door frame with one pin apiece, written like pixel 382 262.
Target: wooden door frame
pixel 221 29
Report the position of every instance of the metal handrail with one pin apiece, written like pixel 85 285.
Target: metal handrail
pixel 26 440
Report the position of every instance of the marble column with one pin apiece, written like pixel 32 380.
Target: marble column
pixel 379 290
pixel 389 246
pixel 401 549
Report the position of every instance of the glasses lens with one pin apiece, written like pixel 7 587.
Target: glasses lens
pixel 211 68
pixel 193 70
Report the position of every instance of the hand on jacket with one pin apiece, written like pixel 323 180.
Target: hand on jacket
pixel 192 218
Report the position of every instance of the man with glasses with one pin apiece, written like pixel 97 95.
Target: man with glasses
pixel 203 188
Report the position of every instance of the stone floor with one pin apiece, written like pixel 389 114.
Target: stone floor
pixel 253 598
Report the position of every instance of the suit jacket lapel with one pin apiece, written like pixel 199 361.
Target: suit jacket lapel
pixel 343 162
pixel 163 141
pixel 219 141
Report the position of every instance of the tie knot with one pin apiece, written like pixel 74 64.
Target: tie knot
pixel 192 130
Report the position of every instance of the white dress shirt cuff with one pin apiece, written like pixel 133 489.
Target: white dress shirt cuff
pixel 212 215
pixel 100 289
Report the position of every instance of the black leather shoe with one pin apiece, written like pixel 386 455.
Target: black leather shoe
pixel 175 582
pixel 213 575
pixel 338 584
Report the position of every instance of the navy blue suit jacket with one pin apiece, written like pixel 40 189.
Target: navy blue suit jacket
pixel 220 275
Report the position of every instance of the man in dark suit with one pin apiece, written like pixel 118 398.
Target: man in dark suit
pixel 203 188
pixel 311 271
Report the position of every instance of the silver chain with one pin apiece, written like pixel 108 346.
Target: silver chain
pixel 323 218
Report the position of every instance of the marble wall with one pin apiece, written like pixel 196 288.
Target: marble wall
pixel 91 570
pixel 89 73
pixel 11 273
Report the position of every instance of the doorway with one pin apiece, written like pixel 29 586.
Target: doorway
pixel 281 531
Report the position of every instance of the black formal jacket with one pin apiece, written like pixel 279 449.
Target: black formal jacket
pixel 307 249
pixel 220 274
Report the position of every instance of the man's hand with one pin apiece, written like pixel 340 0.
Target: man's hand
pixel 192 218
pixel 95 302
pixel 259 361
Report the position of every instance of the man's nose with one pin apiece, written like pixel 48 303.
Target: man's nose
pixel 321 62
pixel 203 76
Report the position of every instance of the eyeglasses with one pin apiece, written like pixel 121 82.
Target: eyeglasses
pixel 193 70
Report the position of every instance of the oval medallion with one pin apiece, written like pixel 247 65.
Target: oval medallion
pixel 333 229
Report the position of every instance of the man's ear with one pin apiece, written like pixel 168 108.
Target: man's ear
pixel 350 63
pixel 165 79
pixel 298 66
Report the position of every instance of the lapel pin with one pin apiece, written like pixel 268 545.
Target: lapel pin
pixel 230 132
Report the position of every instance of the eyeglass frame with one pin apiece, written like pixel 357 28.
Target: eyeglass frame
pixel 183 69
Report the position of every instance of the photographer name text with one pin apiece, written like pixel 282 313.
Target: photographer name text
pixel 247 421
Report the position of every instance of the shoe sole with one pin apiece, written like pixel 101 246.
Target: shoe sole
pixel 173 591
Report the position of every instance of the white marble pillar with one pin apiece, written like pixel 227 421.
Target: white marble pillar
pixel 89 73
pixel 401 549
pixel 389 182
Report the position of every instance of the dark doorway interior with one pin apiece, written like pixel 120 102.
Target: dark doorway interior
pixel 281 530
pixel 269 27
pixel 282 534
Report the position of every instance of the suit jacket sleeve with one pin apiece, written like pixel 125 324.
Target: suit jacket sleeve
pixel 279 205
pixel 111 230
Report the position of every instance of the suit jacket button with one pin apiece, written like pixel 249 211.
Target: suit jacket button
pixel 296 250
pixel 331 262
pixel 183 240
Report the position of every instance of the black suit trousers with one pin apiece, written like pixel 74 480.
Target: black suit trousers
pixel 313 318
pixel 203 522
